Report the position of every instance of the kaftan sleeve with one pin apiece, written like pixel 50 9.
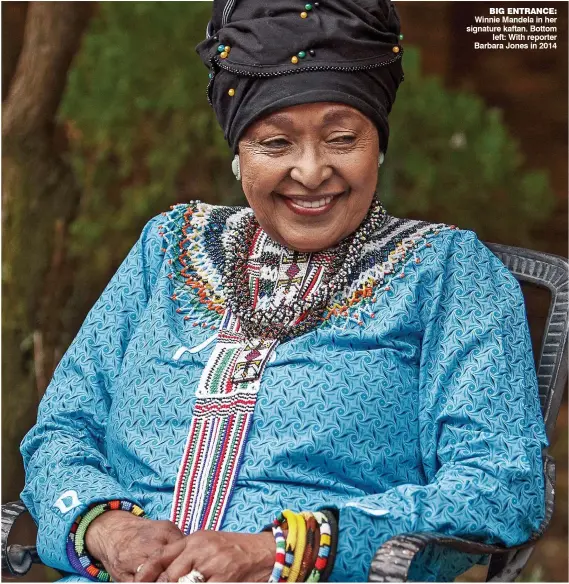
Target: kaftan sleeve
pixel 64 453
pixel 481 428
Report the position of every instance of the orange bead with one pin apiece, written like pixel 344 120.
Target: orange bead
pixel 294 60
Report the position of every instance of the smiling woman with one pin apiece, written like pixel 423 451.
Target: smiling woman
pixel 269 393
pixel 309 173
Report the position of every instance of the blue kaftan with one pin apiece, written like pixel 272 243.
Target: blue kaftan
pixel 415 409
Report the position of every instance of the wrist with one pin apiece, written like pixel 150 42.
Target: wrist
pixel 92 535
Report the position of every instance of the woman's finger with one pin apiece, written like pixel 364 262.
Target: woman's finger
pixel 157 562
pixel 183 564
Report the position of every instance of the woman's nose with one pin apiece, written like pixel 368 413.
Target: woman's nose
pixel 311 170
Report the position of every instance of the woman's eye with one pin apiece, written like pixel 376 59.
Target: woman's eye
pixel 275 143
pixel 343 139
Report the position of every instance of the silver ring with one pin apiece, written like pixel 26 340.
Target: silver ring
pixel 193 576
pixel 139 568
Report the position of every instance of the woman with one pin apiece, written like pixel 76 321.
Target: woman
pixel 307 354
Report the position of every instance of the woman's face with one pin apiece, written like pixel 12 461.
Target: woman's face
pixel 309 173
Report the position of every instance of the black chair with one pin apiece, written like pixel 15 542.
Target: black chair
pixel 392 560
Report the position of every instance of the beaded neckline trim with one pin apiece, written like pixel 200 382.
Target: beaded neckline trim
pixel 194 236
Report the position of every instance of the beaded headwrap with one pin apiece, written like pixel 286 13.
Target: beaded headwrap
pixel 265 56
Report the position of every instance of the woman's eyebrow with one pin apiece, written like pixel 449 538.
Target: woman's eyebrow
pixel 286 121
pixel 339 115
pixel 279 120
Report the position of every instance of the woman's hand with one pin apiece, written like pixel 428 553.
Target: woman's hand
pixel 221 556
pixel 122 541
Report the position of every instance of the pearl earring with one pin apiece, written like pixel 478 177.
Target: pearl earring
pixel 381 159
pixel 236 168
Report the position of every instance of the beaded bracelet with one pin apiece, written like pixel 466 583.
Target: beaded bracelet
pixel 290 519
pixel 299 548
pixel 333 544
pixel 77 552
pixel 280 555
pixel 323 550
pixel 293 561
pixel 306 564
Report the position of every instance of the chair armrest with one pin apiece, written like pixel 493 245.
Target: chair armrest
pixel 393 559
pixel 16 559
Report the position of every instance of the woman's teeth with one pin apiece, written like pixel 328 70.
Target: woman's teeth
pixel 312 204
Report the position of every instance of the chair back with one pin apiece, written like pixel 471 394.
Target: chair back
pixel 551 272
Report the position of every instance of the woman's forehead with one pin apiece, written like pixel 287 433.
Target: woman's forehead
pixel 315 114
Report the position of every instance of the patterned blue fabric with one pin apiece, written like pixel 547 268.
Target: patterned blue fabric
pixel 425 419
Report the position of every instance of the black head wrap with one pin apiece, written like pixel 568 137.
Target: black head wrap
pixel 264 56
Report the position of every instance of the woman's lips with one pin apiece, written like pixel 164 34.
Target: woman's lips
pixel 311 206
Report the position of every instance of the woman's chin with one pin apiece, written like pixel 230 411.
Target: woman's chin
pixel 307 241
pixel 310 229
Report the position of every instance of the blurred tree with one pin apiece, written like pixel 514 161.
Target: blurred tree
pixel 452 159
pixel 13 19
pixel 40 199
pixel 142 134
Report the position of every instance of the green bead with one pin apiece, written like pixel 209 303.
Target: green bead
pixel 210 75
pixel 308 6
pixel 400 37
pixel 221 48
pixel 301 54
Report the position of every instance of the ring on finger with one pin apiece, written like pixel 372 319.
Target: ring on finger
pixel 193 576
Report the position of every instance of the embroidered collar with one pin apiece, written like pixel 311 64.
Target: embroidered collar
pixel 196 235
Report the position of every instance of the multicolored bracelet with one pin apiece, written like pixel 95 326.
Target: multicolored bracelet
pixel 293 561
pixel 77 552
pixel 333 521
pixel 280 555
pixel 323 550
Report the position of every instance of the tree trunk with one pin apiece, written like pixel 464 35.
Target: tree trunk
pixel 40 199
pixel 13 24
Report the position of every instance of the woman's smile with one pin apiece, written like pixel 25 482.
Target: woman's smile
pixel 311 205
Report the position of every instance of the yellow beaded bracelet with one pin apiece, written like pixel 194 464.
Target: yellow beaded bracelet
pixel 290 517
pixel 299 548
